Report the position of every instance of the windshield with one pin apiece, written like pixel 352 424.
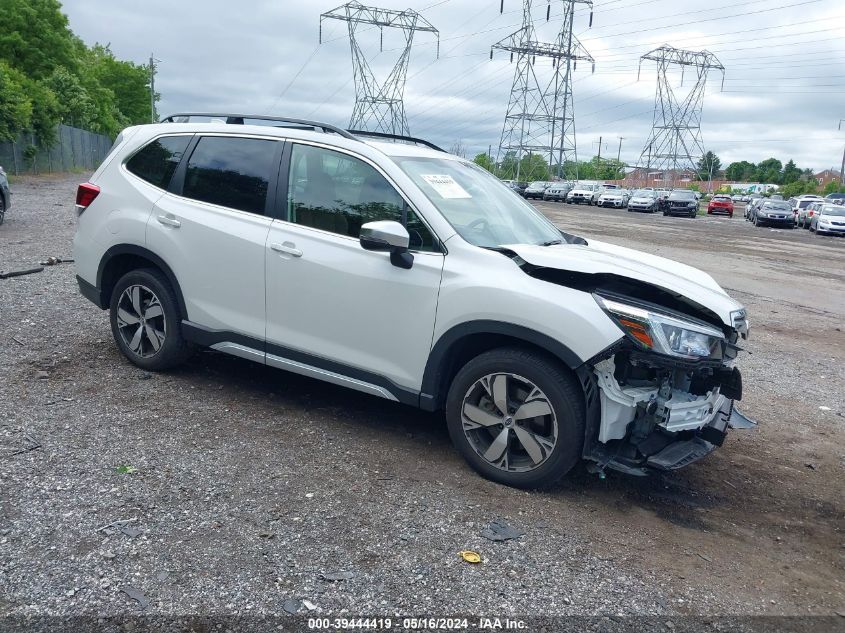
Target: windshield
pixel 830 209
pixel 475 203
pixel 782 206
pixel 642 193
pixel 682 194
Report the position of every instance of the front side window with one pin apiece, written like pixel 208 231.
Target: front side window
pixel 156 162
pixel 232 172
pixel 335 192
pixel 482 210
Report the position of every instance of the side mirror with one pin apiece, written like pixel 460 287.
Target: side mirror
pixel 388 236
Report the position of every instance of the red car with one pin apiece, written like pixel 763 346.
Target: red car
pixel 721 204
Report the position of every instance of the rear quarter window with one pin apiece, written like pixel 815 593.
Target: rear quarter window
pixel 157 161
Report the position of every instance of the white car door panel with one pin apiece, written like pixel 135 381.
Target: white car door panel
pixel 331 299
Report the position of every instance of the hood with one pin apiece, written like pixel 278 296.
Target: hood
pixel 614 194
pixel 643 199
pixel 603 258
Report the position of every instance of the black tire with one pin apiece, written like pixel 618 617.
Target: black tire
pixel 563 394
pixel 174 350
pixel 2 209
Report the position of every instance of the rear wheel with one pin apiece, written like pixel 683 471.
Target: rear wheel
pixel 517 417
pixel 146 322
pixel 2 209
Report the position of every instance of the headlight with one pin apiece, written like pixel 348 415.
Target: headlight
pixel 693 204
pixel 663 333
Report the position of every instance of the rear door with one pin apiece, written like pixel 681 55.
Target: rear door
pixel 330 303
pixel 212 227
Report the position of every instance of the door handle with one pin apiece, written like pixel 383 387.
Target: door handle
pixel 169 220
pixel 287 248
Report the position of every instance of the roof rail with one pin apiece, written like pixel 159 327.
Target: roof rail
pixel 238 119
pixel 398 137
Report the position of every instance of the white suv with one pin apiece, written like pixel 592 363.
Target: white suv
pixel 404 272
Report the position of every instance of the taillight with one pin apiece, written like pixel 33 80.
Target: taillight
pixel 85 195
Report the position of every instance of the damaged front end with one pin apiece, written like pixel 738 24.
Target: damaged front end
pixel 664 395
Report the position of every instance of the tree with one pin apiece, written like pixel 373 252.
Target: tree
pixel 457 148
pixel 128 83
pixel 741 171
pixel 15 106
pixel 769 171
pixel 533 167
pixel 35 37
pixel 799 187
pixel 833 187
pixel 791 173
pixel 483 160
pixel 75 106
pixel 507 169
pixel 708 166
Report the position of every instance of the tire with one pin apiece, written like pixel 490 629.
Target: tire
pixel 561 429
pixel 157 343
pixel 757 222
pixel 2 209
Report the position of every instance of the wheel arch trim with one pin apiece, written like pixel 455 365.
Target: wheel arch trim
pixel 433 392
pixel 138 251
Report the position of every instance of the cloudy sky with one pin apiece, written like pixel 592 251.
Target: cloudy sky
pixel 783 96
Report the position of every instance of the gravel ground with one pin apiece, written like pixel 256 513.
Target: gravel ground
pixel 244 488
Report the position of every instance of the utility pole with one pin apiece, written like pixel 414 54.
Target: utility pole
pixel 153 61
pixel 619 153
pixel 842 169
pixel 675 140
pixel 379 107
pixel 599 156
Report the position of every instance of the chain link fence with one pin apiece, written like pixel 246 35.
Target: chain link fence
pixel 73 149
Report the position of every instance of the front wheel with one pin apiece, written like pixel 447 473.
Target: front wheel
pixel 146 322
pixel 517 417
pixel 2 209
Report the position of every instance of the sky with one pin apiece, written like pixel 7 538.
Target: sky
pixel 783 95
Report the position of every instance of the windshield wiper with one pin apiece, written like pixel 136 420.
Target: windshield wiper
pixel 551 242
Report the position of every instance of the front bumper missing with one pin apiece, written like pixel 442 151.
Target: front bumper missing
pixel 639 433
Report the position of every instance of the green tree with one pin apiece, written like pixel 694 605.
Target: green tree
pixel 15 106
pixel 799 187
pixel 769 171
pixel 741 171
pixel 791 173
pixel 708 166
pixel 45 112
pixel 507 168
pixel 533 167
pixel 483 160
pixel 833 187
pixel 35 37
pixel 128 82
pixel 75 106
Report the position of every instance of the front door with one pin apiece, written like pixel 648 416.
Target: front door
pixel 330 303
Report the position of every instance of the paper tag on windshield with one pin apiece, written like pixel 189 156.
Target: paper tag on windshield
pixel 446 186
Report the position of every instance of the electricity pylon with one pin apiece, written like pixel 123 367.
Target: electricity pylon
pixel 379 107
pixel 674 145
pixel 540 117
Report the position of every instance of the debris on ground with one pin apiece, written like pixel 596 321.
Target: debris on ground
pixel 119 526
pixel 126 470
pixel 21 273
pixel 52 261
pixel 498 530
pixel 338 575
pixel 136 595
pixel 31 445
pixel 292 606
pixel 469 556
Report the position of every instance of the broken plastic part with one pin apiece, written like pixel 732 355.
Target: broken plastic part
pixel 740 421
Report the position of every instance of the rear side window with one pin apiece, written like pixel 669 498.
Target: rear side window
pixel 158 160
pixel 232 172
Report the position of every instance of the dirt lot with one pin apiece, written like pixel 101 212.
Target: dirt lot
pixel 244 486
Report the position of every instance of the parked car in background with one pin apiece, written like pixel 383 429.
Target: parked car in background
pixel 721 203
pixel 751 207
pixel 835 198
pixel 601 189
pixel 774 213
pixel 615 198
pixel 536 189
pixel 518 187
pixel 830 218
pixel 5 194
pixel 775 196
pixel 681 202
pixel 582 193
pixel 643 200
pixel 806 214
pixel 799 202
pixel 557 192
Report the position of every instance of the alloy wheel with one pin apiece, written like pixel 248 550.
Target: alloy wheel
pixel 141 321
pixel 509 422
